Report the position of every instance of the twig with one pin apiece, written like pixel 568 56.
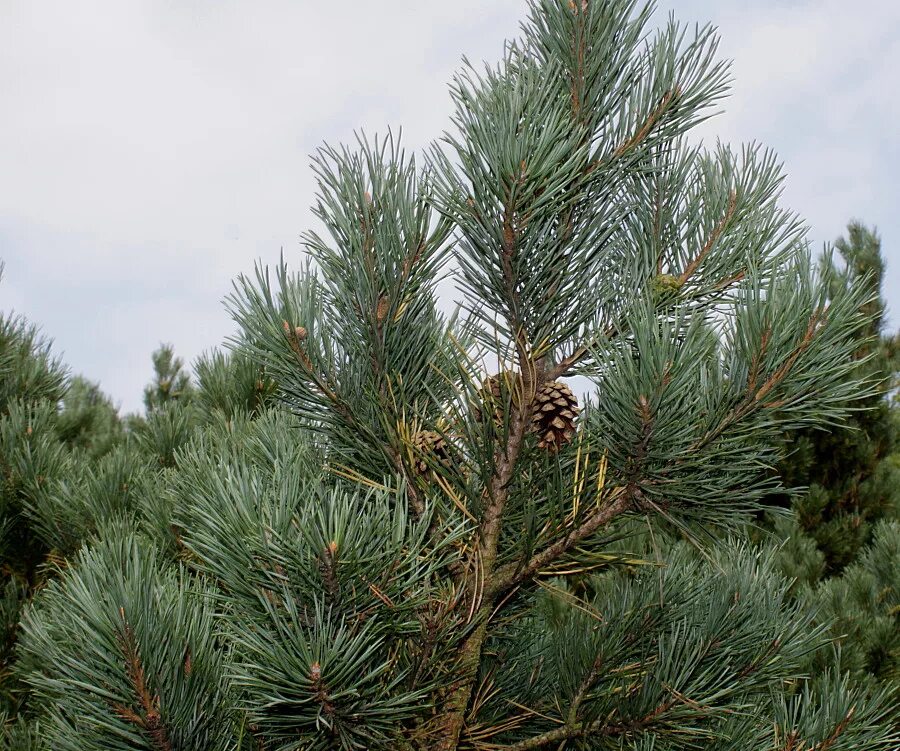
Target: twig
pixel 582 730
pixel 715 235
pixel 512 574
pixel 148 718
pixel 649 123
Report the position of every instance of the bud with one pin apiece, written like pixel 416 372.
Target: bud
pixel 665 287
pixel 382 310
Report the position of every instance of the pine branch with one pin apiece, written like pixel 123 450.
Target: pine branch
pixel 794 742
pixel 779 375
pixel 578 42
pixel 148 718
pixel 584 687
pixel 621 501
pixel 753 398
pixel 567 363
pixel 512 574
pixel 486 555
pixel 412 494
pixel 711 241
pixel 649 124
pixel 603 728
pixel 837 732
pixel 505 460
pixel 294 338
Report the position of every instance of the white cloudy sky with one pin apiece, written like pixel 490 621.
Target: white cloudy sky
pixel 150 151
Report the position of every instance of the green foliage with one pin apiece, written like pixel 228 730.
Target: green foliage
pixel 569 201
pixel 318 576
pixel 799 558
pixel 832 713
pixel 863 608
pixel 88 419
pixel 166 429
pixel 171 382
pixel 368 315
pixel 19 735
pixel 852 478
pixel 725 635
pixel 31 455
pixel 52 429
pixel 842 533
pixel 73 506
pixel 27 369
pixel 232 384
pixel 326 585
pixel 12 598
pixel 121 641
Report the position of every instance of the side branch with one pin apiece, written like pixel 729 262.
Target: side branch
pixel 294 338
pixel 649 123
pixel 754 399
pixel 621 500
pixel 713 237
pixel 147 717
pixel 779 375
pixel 585 729
pixel 569 362
pixel 512 575
pixel 506 456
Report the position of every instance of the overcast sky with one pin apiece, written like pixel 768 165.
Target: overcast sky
pixel 151 151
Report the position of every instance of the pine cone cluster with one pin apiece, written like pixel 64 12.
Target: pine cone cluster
pixel 554 414
pixel 430 448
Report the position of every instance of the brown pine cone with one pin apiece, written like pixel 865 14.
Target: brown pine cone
pixel 554 415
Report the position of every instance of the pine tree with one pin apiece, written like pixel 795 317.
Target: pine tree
pixel 852 477
pixel 840 541
pixel 171 381
pixel 321 591
pixel 88 418
pixel 52 430
pixel 862 607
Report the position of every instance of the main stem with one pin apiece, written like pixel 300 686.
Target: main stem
pixel 488 539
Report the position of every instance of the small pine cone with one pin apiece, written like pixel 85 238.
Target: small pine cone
pixel 492 396
pixel 428 444
pixel 553 418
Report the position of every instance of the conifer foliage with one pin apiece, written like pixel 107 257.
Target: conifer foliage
pixel 382 562
pixel 852 478
pixel 567 197
pixel 842 535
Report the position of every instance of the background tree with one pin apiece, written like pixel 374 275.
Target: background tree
pixel 841 539
pixel 52 428
pixel 852 474
pixel 171 382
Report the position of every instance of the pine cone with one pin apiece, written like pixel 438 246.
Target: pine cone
pixel 430 445
pixel 553 419
pixel 491 396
